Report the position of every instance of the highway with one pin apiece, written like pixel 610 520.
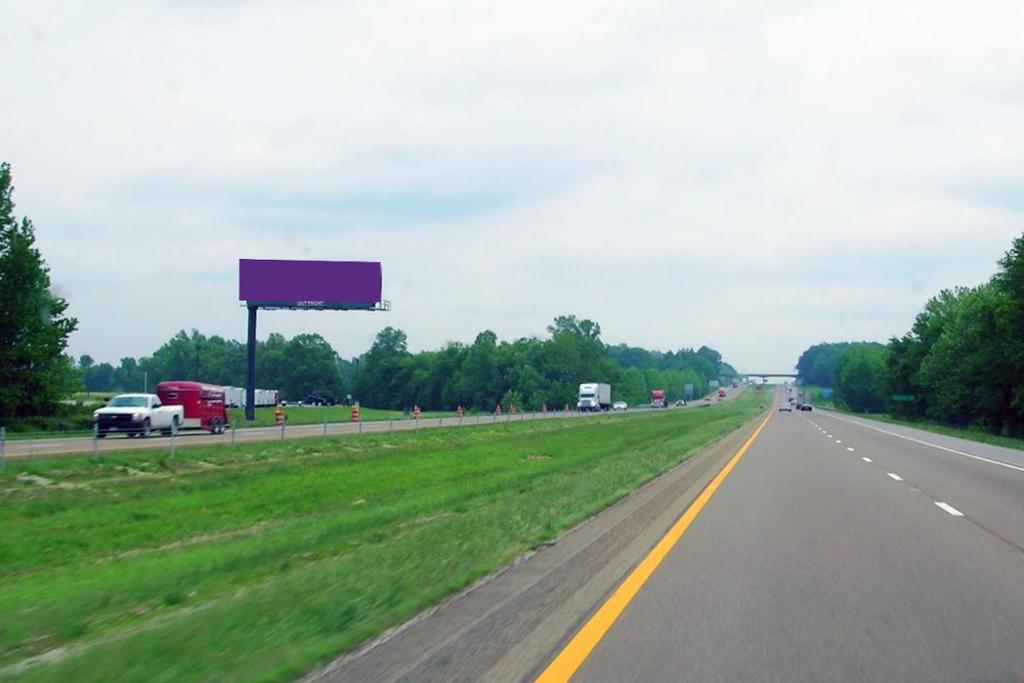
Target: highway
pixel 829 549
pixel 47 447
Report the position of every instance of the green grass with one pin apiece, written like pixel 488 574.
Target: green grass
pixel 255 563
pixel 305 415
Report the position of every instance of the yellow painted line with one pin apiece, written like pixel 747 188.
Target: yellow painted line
pixel 579 648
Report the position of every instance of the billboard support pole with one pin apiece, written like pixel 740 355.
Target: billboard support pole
pixel 250 383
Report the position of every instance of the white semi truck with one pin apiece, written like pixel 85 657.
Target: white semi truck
pixel 594 397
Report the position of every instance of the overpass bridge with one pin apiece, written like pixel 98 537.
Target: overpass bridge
pixel 762 375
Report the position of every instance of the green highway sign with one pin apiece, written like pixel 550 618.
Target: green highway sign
pixel 903 397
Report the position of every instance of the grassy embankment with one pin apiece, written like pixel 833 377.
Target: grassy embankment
pixel 977 435
pixel 305 415
pixel 253 564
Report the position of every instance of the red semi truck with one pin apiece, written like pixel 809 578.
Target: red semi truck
pixel 203 404
pixel 658 398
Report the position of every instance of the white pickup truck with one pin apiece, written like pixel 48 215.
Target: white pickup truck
pixel 137 415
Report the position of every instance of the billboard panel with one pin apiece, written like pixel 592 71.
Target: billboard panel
pixel 309 284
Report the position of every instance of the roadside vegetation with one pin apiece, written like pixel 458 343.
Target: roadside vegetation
pixel 255 563
pixel 961 364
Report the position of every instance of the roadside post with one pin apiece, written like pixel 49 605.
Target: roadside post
pixel 95 441
pixel 391 427
pixel 3 456
pixel 174 437
pixel 325 426
pixel 232 434
pixel 282 428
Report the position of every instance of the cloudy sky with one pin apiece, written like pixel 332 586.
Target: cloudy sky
pixel 753 176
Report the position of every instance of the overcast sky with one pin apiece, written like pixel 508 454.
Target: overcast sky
pixel 754 176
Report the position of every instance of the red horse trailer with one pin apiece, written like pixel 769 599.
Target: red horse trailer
pixel 203 404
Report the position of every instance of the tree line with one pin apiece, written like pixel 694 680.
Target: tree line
pixel 527 372
pixel 961 363
pixel 296 367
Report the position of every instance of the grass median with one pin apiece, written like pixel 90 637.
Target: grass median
pixel 314 415
pixel 253 564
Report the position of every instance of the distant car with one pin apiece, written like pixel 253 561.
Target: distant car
pixel 786 409
pixel 680 402
pixel 619 405
pixel 806 407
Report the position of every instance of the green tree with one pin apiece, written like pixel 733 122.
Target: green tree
pixel 859 378
pixel 310 366
pixel 34 372
pixel 99 377
pixel 1009 284
pixel 479 381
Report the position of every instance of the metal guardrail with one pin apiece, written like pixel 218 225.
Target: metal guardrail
pixel 90 443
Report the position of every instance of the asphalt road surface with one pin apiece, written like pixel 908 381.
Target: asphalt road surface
pixel 836 549
pixel 41 448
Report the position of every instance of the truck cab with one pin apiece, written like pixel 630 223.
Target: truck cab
pixel 137 415
pixel 594 396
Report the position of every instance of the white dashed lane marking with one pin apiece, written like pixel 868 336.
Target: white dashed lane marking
pixel 894 476
pixel 950 509
pixel 954 451
pixel 866 459
pixel 850 448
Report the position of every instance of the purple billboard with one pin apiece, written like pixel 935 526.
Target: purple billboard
pixel 309 284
